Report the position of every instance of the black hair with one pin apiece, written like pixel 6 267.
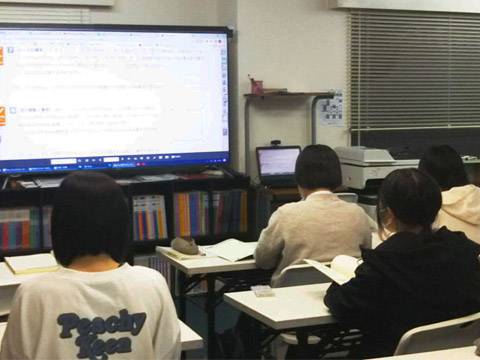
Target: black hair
pixel 412 196
pixel 90 217
pixel 318 166
pixel 444 164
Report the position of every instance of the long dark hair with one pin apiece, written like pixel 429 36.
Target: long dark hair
pixel 413 197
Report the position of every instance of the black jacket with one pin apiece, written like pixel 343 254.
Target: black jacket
pixel 407 281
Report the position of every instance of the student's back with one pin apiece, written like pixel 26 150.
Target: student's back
pixel 460 209
pixel 320 227
pixel 416 277
pixel 123 313
pixel 95 306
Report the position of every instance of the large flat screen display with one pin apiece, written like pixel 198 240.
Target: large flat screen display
pixel 112 97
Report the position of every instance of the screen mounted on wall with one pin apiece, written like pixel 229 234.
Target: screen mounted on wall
pixel 112 97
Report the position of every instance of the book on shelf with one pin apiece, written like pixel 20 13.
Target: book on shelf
pixel 46 226
pixel 191 213
pixel 29 264
pixel 232 249
pixel 20 228
pixel 149 218
pixel 230 211
pixel 341 270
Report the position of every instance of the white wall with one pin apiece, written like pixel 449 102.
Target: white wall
pixel 300 45
pixel 158 12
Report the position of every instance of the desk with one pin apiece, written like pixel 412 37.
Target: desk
pixel 463 353
pixel 190 339
pixel 234 276
pixel 291 307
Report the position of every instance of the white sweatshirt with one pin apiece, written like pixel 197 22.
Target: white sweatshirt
pixel 126 313
pixel 461 211
pixel 319 228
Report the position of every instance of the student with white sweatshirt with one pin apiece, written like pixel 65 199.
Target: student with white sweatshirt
pixel 460 200
pixel 96 306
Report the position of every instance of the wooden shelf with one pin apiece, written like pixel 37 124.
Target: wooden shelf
pixel 326 95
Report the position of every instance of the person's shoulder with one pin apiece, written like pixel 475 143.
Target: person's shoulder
pixel 144 272
pixel 41 284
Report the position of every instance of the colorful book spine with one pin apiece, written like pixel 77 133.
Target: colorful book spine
pixel 149 218
pixel 230 211
pixel 191 213
pixel 19 228
pixel 46 226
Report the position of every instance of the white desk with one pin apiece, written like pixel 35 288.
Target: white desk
pixel 209 267
pixel 464 353
pixel 204 264
pixel 291 307
pixel 190 339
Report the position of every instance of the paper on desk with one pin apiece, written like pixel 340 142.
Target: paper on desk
pixel 232 249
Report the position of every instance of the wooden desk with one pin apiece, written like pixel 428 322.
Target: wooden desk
pixel 190 339
pixel 291 307
pixel 463 353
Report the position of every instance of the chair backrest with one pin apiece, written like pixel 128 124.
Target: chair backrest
pixel 348 197
pixel 301 274
pixel 442 335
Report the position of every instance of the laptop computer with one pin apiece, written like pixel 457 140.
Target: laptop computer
pixel 276 165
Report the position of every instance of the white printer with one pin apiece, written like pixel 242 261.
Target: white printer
pixel 361 165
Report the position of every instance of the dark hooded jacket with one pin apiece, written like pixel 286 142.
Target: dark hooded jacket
pixel 407 281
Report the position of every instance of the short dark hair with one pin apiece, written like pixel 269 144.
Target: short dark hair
pixel 413 197
pixel 318 166
pixel 444 164
pixel 90 217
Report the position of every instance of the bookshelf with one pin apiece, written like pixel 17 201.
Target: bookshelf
pixel 209 209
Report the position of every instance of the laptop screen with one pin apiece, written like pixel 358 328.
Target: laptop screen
pixel 274 161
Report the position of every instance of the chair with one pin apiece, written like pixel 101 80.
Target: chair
pixel 300 274
pixel 348 197
pixel 448 334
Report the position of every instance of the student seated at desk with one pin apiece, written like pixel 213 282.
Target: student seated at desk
pixel 320 227
pixel 417 276
pixel 460 209
pixel 96 305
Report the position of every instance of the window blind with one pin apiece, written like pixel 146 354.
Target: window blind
pixel 47 14
pixel 412 70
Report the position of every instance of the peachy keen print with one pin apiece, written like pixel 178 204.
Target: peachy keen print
pixel 90 346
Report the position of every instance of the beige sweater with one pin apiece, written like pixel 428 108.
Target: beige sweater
pixel 461 211
pixel 319 228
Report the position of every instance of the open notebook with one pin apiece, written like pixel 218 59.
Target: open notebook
pixel 29 264
pixel 232 249
pixel 341 270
